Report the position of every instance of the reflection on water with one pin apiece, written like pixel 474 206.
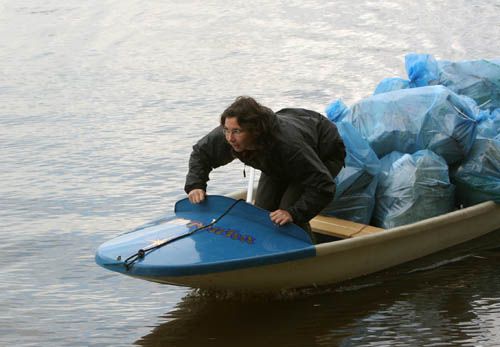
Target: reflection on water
pixel 435 301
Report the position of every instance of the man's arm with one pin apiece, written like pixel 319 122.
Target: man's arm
pixel 319 187
pixel 208 153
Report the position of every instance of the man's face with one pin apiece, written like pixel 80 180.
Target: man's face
pixel 240 139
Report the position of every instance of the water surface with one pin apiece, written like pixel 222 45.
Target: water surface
pixel 100 103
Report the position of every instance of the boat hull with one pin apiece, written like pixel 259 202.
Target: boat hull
pixel 342 260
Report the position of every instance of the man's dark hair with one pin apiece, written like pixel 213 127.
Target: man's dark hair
pixel 253 117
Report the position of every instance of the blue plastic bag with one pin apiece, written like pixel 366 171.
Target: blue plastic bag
pixel 422 70
pixel 478 79
pixel 412 187
pixel 409 120
pixel 357 181
pixel 478 177
pixel 336 111
pixel 391 84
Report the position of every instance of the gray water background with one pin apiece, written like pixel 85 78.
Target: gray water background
pixel 100 102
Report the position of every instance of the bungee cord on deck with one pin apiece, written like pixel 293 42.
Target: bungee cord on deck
pixel 141 253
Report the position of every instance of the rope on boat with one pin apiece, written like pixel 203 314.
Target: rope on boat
pixel 141 253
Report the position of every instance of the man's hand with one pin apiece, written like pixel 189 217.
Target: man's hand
pixel 281 217
pixel 196 196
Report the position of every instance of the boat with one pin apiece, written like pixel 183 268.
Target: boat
pixel 227 243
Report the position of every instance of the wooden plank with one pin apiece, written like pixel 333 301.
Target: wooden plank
pixel 341 228
pixel 367 230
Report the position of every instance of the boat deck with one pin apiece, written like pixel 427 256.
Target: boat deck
pixel 331 226
pixel 341 228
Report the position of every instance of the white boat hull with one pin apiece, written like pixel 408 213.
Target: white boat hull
pixel 341 260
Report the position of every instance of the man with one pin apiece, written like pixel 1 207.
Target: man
pixel 299 153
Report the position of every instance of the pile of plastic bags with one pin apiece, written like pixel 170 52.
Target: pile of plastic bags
pixel 436 129
pixel 477 79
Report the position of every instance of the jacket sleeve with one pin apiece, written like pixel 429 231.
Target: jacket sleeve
pixel 208 153
pixel 305 168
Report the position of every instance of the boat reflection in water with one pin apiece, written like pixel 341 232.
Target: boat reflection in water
pixel 436 299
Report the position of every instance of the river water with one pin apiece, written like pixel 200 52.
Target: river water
pixel 100 102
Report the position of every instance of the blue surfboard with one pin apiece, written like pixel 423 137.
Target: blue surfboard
pixel 220 234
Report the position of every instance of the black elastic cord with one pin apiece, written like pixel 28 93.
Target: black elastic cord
pixel 145 251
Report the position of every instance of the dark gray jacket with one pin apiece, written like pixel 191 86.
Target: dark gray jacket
pixel 305 146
